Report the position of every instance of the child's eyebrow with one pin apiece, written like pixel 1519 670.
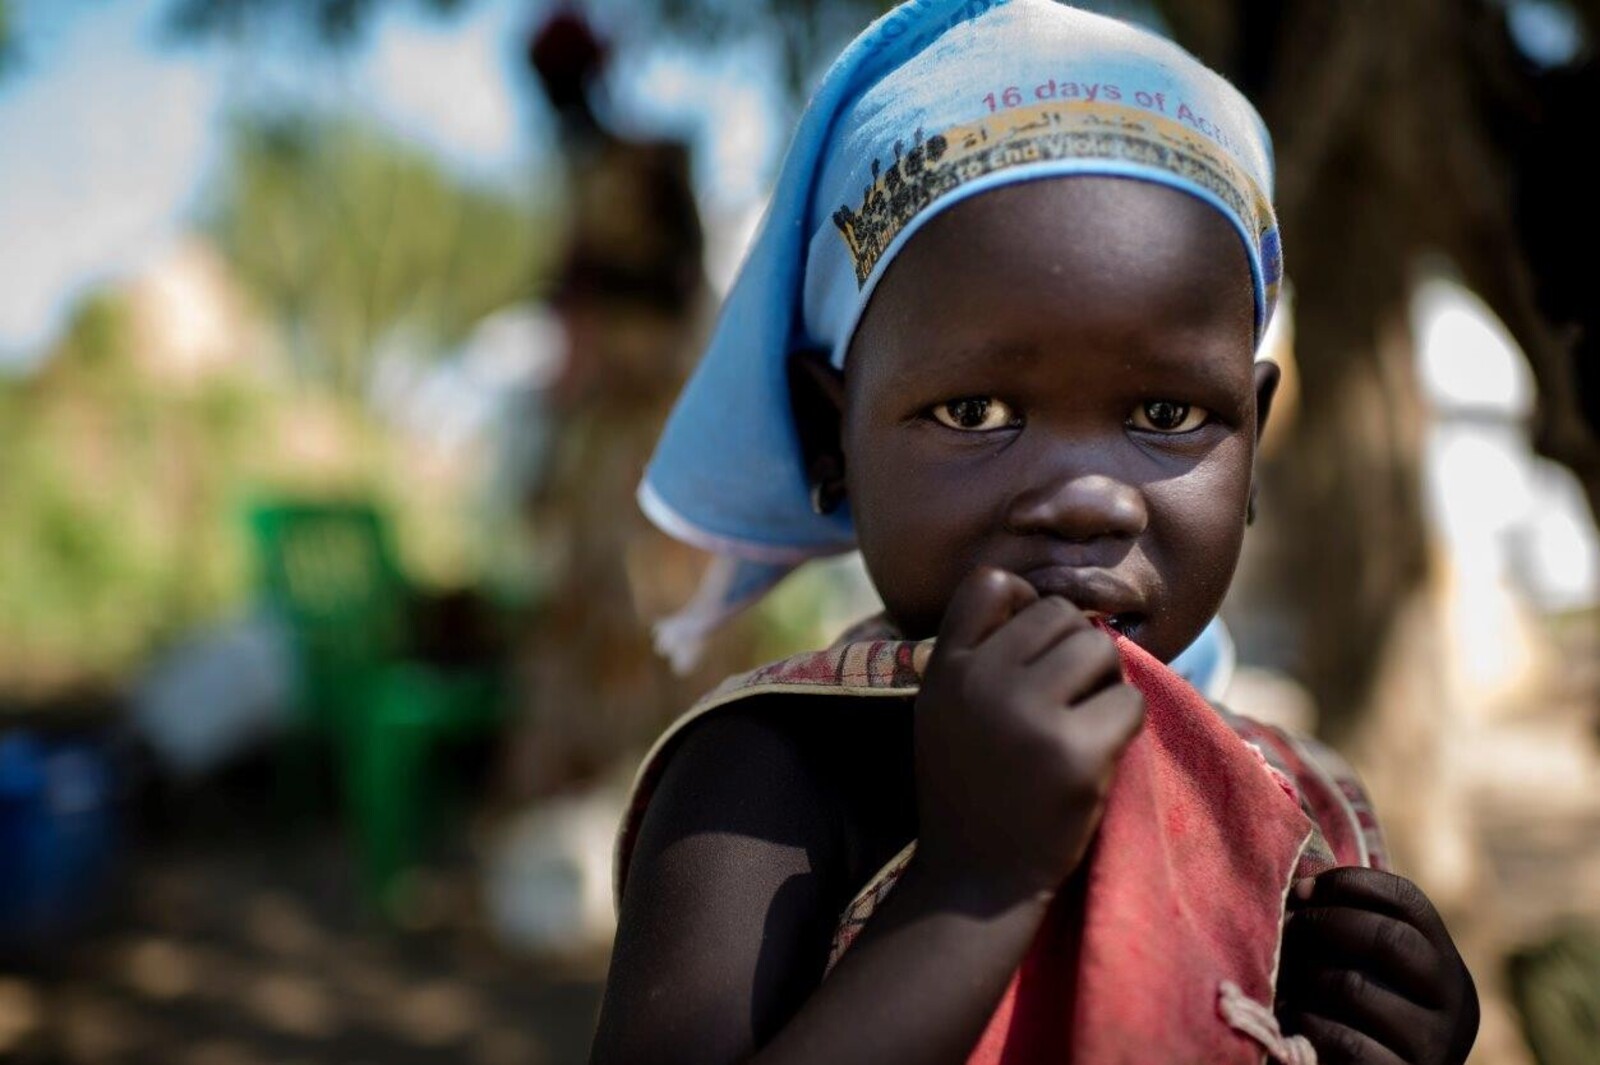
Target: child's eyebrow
pixel 966 357
pixel 1214 369
pixel 988 354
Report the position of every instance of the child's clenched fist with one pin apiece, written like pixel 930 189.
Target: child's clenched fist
pixel 1371 975
pixel 1022 716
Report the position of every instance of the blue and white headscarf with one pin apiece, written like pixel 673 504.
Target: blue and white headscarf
pixel 936 101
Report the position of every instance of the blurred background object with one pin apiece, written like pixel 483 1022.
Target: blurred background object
pixel 334 335
pixel 1554 984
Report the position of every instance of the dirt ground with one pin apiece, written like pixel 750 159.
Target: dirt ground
pixel 233 943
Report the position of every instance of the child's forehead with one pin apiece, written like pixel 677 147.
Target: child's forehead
pixel 1097 229
pixel 1146 278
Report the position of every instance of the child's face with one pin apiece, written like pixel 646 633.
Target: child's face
pixel 1056 378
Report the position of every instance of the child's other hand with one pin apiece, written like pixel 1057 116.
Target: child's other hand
pixel 1021 718
pixel 1370 974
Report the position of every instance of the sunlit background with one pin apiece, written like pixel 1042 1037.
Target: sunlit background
pixel 334 334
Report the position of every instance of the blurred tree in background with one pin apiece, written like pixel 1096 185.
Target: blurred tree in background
pixel 113 492
pixel 128 460
pixel 335 21
pixel 350 239
pixel 7 44
pixel 1437 136
pixel 809 33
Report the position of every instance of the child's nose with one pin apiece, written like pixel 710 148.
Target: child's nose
pixel 1084 506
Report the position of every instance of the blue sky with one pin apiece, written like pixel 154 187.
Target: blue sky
pixel 108 130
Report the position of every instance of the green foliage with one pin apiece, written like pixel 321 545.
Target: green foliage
pixel 114 489
pixel 347 239
pixel 8 40
pixel 97 338
pixel 1555 985
pixel 123 474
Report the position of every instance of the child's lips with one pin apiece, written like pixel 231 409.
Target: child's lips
pixel 1089 587
pixel 1097 592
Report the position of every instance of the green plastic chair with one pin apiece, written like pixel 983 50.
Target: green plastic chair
pixel 327 570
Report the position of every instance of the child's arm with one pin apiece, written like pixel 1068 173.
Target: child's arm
pixel 734 885
pixel 1371 975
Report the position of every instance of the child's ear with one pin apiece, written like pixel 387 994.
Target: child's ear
pixel 816 391
pixel 1267 376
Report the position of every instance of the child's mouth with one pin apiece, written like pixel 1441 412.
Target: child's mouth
pixel 1122 624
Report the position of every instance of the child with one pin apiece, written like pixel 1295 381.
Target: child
pixel 1010 287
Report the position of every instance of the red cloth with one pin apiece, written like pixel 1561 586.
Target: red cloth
pixel 1182 891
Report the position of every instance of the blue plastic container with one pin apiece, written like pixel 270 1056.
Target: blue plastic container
pixel 58 834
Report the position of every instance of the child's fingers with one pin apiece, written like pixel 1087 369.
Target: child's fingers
pixel 1035 630
pixel 983 602
pixel 1388 947
pixel 1102 725
pixel 1079 665
pixel 1350 998
pixel 1339 1044
pixel 1374 890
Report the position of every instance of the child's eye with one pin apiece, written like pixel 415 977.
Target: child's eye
pixel 974 414
pixel 1165 416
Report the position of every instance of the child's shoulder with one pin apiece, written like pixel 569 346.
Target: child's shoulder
pixel 736 863
pixel 828 774
pixel 824 736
